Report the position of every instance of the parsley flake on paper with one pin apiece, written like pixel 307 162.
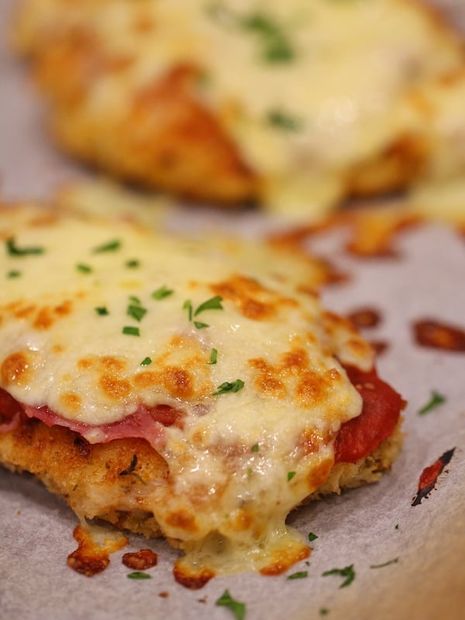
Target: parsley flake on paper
pixel 137 574
pixel 298 575
pixel 437 399
pixel 347 572
pixel 311 536
pixel 236 607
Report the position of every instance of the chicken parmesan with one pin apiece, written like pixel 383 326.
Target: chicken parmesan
pixel 295 104
pixel 193 389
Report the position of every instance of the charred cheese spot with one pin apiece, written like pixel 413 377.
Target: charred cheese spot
pixel 15 369
pixel 92 557
pixel 252 299
pixel 283 559
pixel 177 382
pixel 182 520
pixel 114 388
pixel 71 401
pixel 320 474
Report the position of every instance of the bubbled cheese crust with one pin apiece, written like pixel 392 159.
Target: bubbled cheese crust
pixel 57 351
pixel 296 104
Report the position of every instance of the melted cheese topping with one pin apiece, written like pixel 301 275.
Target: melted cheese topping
pixel 229 486
pixel 307 89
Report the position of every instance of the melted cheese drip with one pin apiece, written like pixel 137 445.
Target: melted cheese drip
pixel 345 88
pixel 56 351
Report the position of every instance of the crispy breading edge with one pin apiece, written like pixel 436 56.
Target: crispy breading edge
pixel 80 472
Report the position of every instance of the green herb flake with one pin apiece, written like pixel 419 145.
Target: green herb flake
pixel 213 356
pixel 162 292
pixel 137 574
pixel 13 274
pixel 324 611
pixel 146 361
pixel 298 575
pixel 214 303
pixel 136 312
pixel 388 563
pixel 311 536
pixel 200 325
pixel 347 572
pixel 130 330
pixel 135 300
pixel 84 268
pixel 133 263
pixel 102 310
pixel 255 447
pixel 110 246
pixel 14 250
pixel 233 386
pixel 237 608
pixel 187 305
pixel 436 400
pixel 275 46
pixel 282 120
pixel 290 475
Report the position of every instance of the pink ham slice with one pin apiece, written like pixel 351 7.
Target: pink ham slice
pixel 146 423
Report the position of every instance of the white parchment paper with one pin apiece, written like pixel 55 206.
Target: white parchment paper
pixel 359 528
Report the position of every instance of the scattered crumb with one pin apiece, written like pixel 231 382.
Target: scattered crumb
pixel 163 594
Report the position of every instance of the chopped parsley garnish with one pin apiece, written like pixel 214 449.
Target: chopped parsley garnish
pixel 137 574
pixel 146 361
pixel 200 325
pixel 324 611
pixel 13 274
pixel 162 292
pixel 224 388
pixel 388 563
pixel 283 120
pixel 275 45
pixel 290 475
pixel 133 263
pixel 84 268
pixel 237 608
pixel 187 305
pixel 255 447
pixel 135 300
pixel 130 330
pixel 214 303
pixel 311 536
pixel 347 572
pixel 102 310
pixel 14 250
pixel 110 246
pixel 137 312
pixel 213 356
pixel 298 575
pixel 436 400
